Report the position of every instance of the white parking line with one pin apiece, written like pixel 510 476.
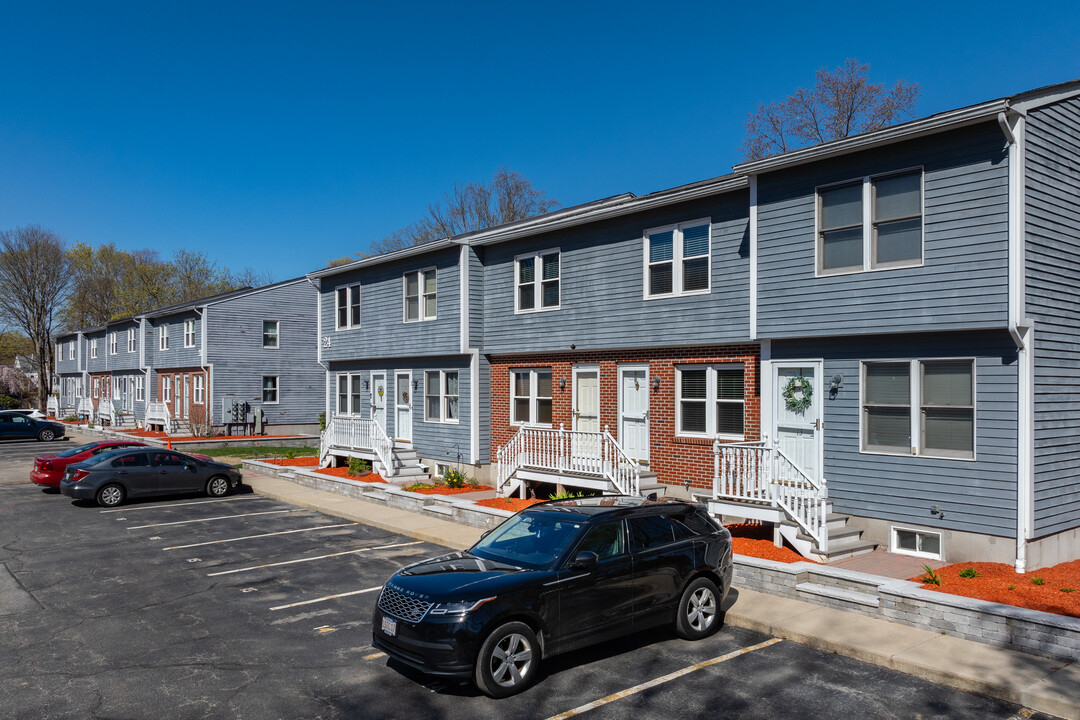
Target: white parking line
pixel 309 559
pixel 129 508
pixel 252 537
pixel 211 519
pixel 661 680
pixel 328 597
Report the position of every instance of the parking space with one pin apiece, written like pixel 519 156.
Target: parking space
pixel 17 454
pixel 249 607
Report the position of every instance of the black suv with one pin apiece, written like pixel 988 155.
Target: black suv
pixel 555 577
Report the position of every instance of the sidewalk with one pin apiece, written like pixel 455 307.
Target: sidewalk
pixel 1034 682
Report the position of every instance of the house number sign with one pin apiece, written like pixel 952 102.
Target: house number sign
pixel 326 341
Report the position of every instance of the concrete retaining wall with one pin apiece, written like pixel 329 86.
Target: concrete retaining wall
pixel 193 445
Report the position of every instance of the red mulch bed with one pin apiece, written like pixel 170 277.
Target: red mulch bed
pixel 443 490
pixel 511 504
pixel 757 541
pixel 294 462
pixel 189 438
pixel 145 433
pixel 343 472
pixel 1000 583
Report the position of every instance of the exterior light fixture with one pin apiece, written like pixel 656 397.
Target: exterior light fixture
pixel 655 384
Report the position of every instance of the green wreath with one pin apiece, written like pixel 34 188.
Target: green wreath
pixel 796 402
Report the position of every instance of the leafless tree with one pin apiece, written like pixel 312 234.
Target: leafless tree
pixel 34 280
pixel 843 102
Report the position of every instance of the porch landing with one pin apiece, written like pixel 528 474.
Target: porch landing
pixel 887 564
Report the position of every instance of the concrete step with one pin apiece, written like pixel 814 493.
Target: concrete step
pixel 842 594
pixel 848 550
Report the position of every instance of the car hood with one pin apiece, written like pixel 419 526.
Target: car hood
pixel 458 576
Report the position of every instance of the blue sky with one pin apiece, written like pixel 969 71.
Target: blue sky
pixel 278 135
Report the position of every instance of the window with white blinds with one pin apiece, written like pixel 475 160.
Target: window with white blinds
pixel 677 259
pixel 711 400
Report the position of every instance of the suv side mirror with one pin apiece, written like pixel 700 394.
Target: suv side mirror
pixel 585 560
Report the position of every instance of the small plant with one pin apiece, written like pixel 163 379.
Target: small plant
pixel 472 482
pixel 290 453
pixel 1068 590
pixel 565 495
pixel 970 572
pixel 1037 581
pixel 322 421
pixel 454 478
pixel 71 419
pixel 419 486
pixel 1012 587
pixel 359 466
pixel 929 577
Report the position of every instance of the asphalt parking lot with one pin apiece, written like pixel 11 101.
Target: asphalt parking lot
pixel 246 607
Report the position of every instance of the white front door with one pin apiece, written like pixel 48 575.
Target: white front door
pixel 403 404
pixel 634 412
pixel 187 394
pixel 378 398
pixel 797 416
pixel 585 449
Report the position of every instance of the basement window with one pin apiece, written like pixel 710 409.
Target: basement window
pixel 919 543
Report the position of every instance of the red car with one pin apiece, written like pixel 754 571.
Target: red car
pixel 49 469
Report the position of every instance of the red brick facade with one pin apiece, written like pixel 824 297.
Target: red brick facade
pixel 100 387
pixel 673 458
pixel 196 411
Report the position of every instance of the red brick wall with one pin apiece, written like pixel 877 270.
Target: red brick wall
pixel 674 459
pixel 196 413
pixel 104 387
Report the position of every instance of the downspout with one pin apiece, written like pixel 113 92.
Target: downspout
pixel 1022 331
pixel 753 229
pixel 464 273
pixel 317 284
pixel 208 368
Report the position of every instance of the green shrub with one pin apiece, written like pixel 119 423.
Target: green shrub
pixel 565 495
pixel 1068 590
pixel 8 403
pixel 322 421
pixel 969 572
pixel 71 418
pixel 1037 581
pixel 290 453
pixel 359 466
pixel 929 577
pixel 454 478
pixel 419 486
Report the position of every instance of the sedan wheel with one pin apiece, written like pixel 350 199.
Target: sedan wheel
pixel 110 496
pixel 699 610
pixel 46 435
pixel 217 486
pixel 507 660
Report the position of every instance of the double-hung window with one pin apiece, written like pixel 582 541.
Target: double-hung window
pixel 677 259
pixel 166 388
pixel 112 343
pixel 420 296
pixel 270 389
pixel 530 396
pixel 93 349
pixel 97 387
pixel 441 396
pixel 537 281
pixel 270 333
pixel 163 338
pixel 940 422
pixel 198 388
pixel 349 396
pixel 189 333
pixel 131 340
pixel 71 350
pixel 347 301
pixel 140 388
pixel 711 400
pixel 870 224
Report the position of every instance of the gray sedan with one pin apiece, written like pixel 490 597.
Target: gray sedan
pixel 113 477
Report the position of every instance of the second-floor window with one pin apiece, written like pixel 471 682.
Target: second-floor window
pixel 189 333
pixel 270 333
pixel 537 281
pixel 420 298
pixel 131 340
pixel 348 307
pixel 711 400
pixel 93 349
pixel 163 338
pixel 112 343
pixel 441 396
pixel 869 224
pixel 677 259
pixel 71 350
pixel 530 397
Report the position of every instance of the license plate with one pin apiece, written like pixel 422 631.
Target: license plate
pixel 389 626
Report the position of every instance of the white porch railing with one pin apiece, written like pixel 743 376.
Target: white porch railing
pixel 761 472
pixel 352 433
pixel 157 413
pixel 52 406
pixel 85 407
pixel 574 452
pixel 106 411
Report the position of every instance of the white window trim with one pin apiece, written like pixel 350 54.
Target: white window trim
pixel 915 407
pixel 189 336
pixel 166 388
pixel 442 397
pixel 71 349
pixel 140 389
pixel 131 340
pixel 277 390
pixel 894 545
pixel 421 316
pixel 533 384
pixel 198 389
pixel 116 388
pixel 112 343
pixel 676 260
pixel 97 387
pixel 93 350
pixel 349 324
pixel 277 335
pixel 538 283
pixel 163 337
pixel 868 225
pixel 350 409
pixel 710 400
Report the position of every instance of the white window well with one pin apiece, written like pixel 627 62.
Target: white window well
pixel 420 300
pixel 530 397
pixel 920 543
pixel 537 281
pixel 678 259
pixel 710 400
pixel 873 223
pixel 347 307
pixel 441 396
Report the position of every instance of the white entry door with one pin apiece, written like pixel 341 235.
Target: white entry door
pixel 585 449
pixel 634 412
pixel 798 426
pixel 378 398
pixel 403 404
pixel 187 395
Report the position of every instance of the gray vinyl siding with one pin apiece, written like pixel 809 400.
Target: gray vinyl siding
pixel 476 297
pixel 977 495
pixel 124 360
pixel 383 331
pixel 963 283
pixel 485 409
pixel 234 349
pixel 100 363
pixel 434 440
pixel 176 356
pixel 63 365
pixel 1053 301
pixel 602 286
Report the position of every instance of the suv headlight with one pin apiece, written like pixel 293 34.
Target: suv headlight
pixel 457 608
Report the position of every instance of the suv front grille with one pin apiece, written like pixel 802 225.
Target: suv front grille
pixel 394 603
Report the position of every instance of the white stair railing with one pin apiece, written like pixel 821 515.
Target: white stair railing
pixel 352 433
pixel 85 408
pixel 325 442
pixel 761 472
pixel 508 459
pixel 573 452
pixel 52 406
pixel 157 413
pixel 106 411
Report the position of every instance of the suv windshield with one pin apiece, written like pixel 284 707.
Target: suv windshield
pixel 530 540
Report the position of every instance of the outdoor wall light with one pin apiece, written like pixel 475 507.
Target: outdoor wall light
pixel 562 383
pixel 416 384
pixel 367 384
pixel 836 380
pixel 655 384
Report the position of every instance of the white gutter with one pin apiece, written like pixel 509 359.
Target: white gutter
pixel 753 256
pixel 208 368
pixel 473 353
pixel 317 284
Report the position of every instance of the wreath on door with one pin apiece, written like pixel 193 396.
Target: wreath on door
pixel 798 394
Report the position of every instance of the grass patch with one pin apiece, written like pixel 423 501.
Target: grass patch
pixel 251 452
